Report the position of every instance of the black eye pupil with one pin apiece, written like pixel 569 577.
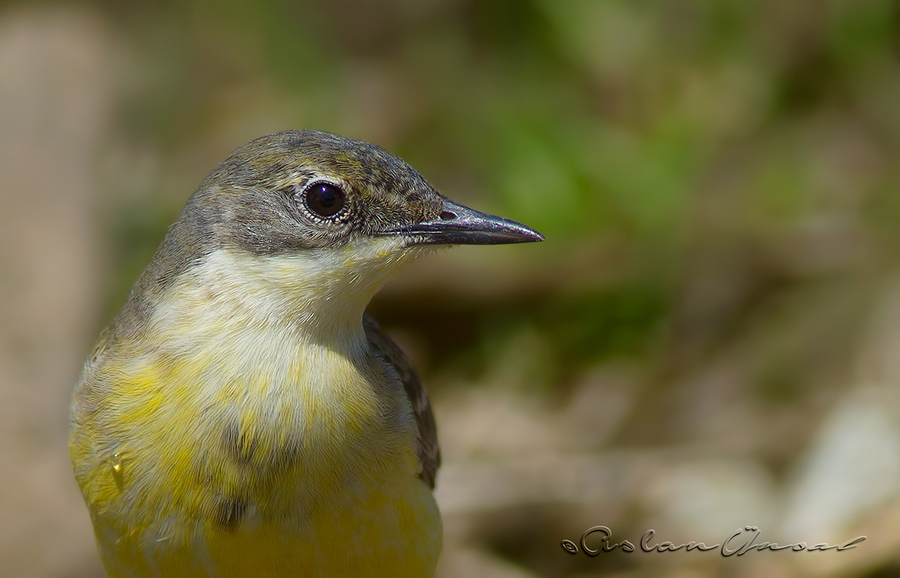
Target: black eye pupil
pixel 324 199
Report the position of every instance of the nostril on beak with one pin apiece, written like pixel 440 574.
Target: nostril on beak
pixel 447 215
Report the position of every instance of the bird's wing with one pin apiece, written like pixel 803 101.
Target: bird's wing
pixel 389 353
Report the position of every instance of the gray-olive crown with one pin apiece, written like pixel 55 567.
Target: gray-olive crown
pixel 305 189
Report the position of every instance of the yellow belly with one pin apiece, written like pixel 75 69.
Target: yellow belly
pixel 193 467
pixel 379 535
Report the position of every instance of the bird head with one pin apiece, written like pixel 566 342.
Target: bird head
pixel 317 222
pixel 299 190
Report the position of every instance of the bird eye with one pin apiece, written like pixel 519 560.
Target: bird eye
pixel 325 199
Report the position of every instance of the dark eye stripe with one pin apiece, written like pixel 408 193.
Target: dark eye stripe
pixel 325 199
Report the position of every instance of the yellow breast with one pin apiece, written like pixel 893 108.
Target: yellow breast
pixel 222 443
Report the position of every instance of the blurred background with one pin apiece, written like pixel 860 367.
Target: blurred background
pixel 708 339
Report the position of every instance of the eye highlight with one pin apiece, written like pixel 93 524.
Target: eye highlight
pixel 325 199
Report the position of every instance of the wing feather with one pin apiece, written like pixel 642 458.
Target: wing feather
pixel 389 353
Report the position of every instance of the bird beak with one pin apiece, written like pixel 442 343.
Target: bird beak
pixel 460 225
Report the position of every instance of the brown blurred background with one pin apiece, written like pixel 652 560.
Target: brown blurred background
pixel 708 339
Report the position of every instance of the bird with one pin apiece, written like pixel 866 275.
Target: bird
pixel 243 415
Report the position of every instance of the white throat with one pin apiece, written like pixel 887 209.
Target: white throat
pixel 319 293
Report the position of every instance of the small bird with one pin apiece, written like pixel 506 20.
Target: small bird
pixel 242 415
